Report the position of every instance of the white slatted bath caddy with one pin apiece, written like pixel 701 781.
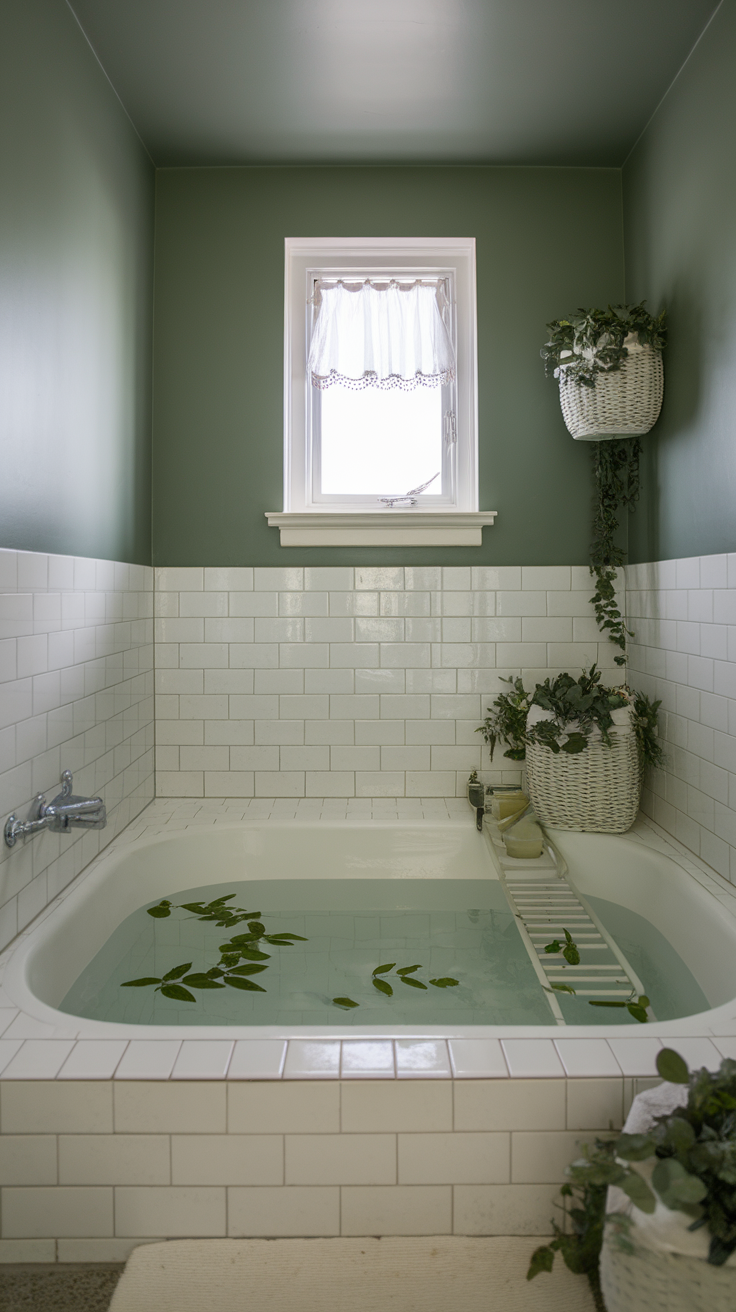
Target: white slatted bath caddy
pixel 545 904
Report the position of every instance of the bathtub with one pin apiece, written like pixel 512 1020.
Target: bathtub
pixel 126 1134
pixel 637 871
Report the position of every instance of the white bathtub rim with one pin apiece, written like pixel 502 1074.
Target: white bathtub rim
pixel 714 1022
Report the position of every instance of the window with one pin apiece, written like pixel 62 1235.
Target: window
pixel 380 402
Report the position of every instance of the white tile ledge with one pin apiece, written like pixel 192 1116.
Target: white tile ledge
pixel 381 528
pixel 366 1059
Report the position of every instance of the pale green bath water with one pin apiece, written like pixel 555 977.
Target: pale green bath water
pixel 457 929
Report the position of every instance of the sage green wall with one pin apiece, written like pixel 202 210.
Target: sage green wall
pixel 680 211
pixel 76 250
pixel 548 240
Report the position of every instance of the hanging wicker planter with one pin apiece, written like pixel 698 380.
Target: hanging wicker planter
pixel 625 403
pixel 595 791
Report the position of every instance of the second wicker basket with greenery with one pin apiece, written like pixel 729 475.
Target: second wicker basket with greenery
pixel 585 746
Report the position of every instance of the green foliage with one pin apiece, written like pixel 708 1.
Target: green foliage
pixel 581 1239
pixel 636 1005
pixel 584 701
pixel 672 1067
pixel 591 342
pixel 228 971
pixel 586 344
pixel 616 471
pixel 405 976
pixel 694 1152
pixel 569 950
pixel 506 721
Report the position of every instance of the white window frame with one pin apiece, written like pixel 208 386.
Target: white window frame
pixel 307 522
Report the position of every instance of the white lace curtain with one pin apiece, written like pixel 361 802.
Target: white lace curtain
pixel 381 334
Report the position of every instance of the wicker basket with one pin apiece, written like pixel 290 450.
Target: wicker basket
pixel 595 791
pixel 622 404
pixel 649 1281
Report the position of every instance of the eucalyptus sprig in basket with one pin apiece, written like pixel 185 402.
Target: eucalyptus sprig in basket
pixel 586 747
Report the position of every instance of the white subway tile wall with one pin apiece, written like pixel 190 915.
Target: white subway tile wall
pixel 683 613
pixel 76 692
pixel 90 1170
pixel 351 682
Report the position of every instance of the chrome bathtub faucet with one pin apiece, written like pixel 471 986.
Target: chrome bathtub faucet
pixel 63 813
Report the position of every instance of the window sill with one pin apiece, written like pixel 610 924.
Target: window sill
pixel 381 528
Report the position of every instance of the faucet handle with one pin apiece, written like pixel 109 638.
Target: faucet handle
pixel 37 807
pixel 67 779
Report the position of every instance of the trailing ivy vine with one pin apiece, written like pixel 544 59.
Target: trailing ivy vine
pixel 616 470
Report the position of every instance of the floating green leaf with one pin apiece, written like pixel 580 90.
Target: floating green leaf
pixel 381 970
pixel 563 988
pixel 297 938
pixel 408 970
pixel 160 912
pixel 383 986
pixel 639 1013
pixel 570 950
pixel 176 992
pixel 672 1067
pixel 253 954
pixel 199 981
pixel 138 983
pixel 345 1003
pixel 444 982
pixel 237 982
pixel 554 946
pixel 178 971
pixel 414 983
pixel 251 969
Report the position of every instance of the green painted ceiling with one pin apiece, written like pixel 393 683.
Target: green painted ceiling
pixel 391 81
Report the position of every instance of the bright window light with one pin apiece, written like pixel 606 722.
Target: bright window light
pixel 380 443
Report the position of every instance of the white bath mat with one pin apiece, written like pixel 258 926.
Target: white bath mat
pixel 339 1275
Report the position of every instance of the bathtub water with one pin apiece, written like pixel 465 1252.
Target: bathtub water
pixel 435 929
pixel 362 896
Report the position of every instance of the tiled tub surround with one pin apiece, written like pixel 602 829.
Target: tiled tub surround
pixel 76 692
pixel 111 1142
pixel 91 1168
pixel 351 682
pixel 683 613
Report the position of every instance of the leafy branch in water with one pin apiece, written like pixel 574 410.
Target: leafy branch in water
pixel 636 1004
pixel 228 971
pixel 405 975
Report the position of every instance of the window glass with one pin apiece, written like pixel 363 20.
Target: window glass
pixel 375 443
